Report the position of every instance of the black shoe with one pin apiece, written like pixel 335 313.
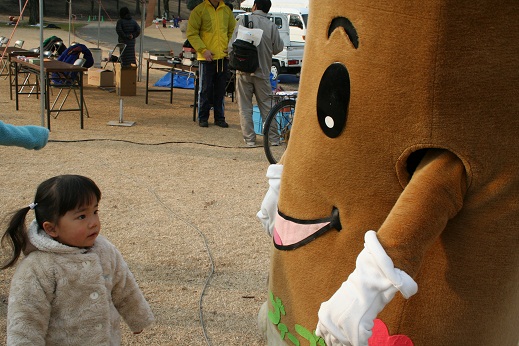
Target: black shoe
pixel 203 124
pixel 221 123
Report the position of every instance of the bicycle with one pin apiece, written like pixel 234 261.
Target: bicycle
pixel 278 124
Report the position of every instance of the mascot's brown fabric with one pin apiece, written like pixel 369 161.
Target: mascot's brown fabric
pixel 407 123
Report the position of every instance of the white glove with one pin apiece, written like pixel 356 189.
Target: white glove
pixel 269 206
pixel 347 318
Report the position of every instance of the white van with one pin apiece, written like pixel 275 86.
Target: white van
pixel 237 12
pixel 296 11
pixel 297 20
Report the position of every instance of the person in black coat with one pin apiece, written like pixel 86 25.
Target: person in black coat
pixel 127 30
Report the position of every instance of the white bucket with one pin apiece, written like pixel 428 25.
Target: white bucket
pixel 97 54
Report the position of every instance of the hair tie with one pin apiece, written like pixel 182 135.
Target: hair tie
pixel 32 206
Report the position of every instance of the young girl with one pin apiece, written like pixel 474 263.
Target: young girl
pixel 73 284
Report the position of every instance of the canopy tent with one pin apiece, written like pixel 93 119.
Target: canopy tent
pixel 147 20
pixel 42 72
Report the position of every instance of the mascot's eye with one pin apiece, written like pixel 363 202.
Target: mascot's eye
pixel 333 99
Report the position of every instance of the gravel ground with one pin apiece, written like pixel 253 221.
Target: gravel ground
pixel 179 201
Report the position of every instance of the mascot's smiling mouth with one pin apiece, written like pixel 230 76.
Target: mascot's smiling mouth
pixel 333 98
pixel 290 233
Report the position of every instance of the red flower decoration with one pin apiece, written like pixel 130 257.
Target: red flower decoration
pixel 381 337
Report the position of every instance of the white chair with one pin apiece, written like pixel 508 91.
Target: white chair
pixel 113 58
pixel 79 62
pixel 4 61
pixel 70 84
pixel 27 82
pixel 19 43
pixel 56 48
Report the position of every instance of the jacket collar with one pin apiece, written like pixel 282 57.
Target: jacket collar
pixel 261 13
pixel 220 3
pixel 40 240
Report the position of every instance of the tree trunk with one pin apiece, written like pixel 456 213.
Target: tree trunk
pixel 34 12
pixel 166 8
pixel 191 4
pixel 138 4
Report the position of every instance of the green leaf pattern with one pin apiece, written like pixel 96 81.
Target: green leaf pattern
pixel 275 318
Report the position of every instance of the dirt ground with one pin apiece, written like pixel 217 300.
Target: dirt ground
pixel 179 201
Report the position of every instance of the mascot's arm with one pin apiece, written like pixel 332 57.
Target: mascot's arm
pixel 433 196
pixel 269 206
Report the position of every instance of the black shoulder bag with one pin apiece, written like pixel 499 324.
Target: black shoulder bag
pixel 244 55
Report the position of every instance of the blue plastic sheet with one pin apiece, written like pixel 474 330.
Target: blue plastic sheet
pixel 288 79
pixel 181 79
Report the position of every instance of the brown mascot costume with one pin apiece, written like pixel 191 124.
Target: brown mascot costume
pixel 394 213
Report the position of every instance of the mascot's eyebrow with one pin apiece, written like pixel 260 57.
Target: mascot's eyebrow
pixel 342 22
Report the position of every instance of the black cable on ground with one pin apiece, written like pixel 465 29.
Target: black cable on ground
pixel 212 266
pixel 141 143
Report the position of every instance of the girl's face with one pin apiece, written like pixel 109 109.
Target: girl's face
pixel 78 227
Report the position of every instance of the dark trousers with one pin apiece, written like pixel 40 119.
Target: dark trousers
pixel 211 91
pixel 128 56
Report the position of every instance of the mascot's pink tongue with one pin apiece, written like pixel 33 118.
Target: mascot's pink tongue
pixel 287 232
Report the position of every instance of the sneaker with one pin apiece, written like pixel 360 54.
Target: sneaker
pixel 250 144
pixel 203 124
pixel 221 123
pixel 275 144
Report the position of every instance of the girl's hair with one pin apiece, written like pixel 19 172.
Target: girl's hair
pixel 54 198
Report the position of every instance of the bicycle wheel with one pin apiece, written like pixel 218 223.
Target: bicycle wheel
pixel 276 130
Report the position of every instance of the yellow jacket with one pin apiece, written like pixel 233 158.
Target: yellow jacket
pixel 210 28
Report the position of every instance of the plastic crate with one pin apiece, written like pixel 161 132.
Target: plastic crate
pixel 258 123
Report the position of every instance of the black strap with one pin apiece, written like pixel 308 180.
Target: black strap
pixel 248 24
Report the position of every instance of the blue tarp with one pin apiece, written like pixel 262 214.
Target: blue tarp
pixel 181 79
pixel 288 78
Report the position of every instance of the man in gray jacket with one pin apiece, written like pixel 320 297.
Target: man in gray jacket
pixel 258 82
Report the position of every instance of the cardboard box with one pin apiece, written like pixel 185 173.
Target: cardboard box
pixel 126 80
pixel 100 77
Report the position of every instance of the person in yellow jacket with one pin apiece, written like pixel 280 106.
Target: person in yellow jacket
pixel 209 30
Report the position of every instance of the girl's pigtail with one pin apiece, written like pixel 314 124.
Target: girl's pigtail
pixel 16 236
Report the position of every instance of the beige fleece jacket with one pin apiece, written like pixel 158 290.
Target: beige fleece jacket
pixel 62 295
